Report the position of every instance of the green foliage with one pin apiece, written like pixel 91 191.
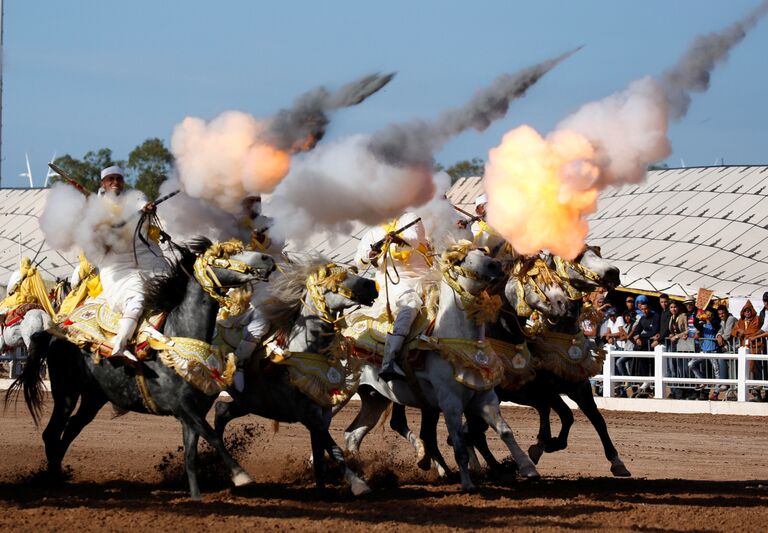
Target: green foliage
pixel 148 166
pixel 86 171
pixel 466 168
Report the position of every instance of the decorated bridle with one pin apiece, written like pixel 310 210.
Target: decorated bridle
pixel 562 267
pixel 328 278
pixel 533 275
pixel 218 256
pixel 481 307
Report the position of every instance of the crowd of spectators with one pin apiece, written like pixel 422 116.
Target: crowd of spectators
pixel 642 323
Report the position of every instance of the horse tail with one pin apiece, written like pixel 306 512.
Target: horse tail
pixel 31 378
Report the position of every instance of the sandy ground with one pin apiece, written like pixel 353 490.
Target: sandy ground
pixel 691 473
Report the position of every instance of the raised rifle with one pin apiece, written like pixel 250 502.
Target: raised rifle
pixel 63 175
pixel 393 234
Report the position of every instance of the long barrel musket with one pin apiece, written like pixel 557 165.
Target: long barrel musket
pixel 63 175
pixel 472 218
pixel 378 244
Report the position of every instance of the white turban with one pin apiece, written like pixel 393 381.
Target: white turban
pixel 114 169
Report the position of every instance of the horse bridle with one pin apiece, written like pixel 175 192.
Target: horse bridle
pixel 217 257
pixel 562 266
pixel 327 278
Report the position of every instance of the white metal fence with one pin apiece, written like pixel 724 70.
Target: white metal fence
pixel 660 380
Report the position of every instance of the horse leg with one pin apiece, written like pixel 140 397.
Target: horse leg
pixel 399 422
pixel 428 435
pixel 199 425
pixel 91 402
pixel 63 405
pixel 191 439
pixel 488 408
pixel 318 421
pixel 586 402
pixel 65 391
pixel 226 412
pixel 476 428
pixel 566 422
pixel 452 410
pixel 372 406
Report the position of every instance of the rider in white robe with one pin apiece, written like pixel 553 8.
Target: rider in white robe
pixel 482 233
pixel 121 272
pixel 400 274
pixel 255 325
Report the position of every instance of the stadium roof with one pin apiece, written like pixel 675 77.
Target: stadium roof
pixel 681 230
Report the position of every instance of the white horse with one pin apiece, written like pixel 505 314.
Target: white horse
pixel 465 277
pixel 20 333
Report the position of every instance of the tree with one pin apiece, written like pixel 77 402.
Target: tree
pixel 149 165
pixel 86 172
pixel 466 168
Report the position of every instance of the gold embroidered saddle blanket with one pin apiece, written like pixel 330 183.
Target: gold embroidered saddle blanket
pixel 93 325
pixel 572 357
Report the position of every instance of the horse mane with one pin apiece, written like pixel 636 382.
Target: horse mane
pixel 286 291
pixel 164 292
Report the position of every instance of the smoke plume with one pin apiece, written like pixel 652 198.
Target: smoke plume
pixel 374 178
pixel 414 143
pixel 541 189
pixel 236 155
pixel 96 224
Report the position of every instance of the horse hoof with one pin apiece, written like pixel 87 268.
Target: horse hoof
pixel 469 489
pixel 620 471
pixel 535 452
pixel 359 487
pixel 530 472
pixel 424 462
pixel 241 479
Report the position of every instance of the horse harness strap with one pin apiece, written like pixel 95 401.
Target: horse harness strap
pixel 146 397
pixel 206 277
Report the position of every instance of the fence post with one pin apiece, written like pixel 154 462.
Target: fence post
pixel 658 374
pixel 608 372
pixel 741 371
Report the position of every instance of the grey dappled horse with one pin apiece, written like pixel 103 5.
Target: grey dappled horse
pixel 74 375
pixel 439 391
pixel 308 325
pixel 585 273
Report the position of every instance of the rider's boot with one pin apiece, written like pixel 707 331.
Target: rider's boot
pixel 125 328
pixel 389 368
pixel 243 352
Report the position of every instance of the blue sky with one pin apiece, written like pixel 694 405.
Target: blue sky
pixel 89 74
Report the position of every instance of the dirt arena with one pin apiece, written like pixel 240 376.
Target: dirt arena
pixel 691 473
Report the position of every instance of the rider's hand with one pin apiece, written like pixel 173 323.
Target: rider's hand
pixel 149 207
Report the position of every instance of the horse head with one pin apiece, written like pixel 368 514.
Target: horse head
pixel 229 265
pixel 333 288
pixel 533 286
pixel 587 271
pixel 470 268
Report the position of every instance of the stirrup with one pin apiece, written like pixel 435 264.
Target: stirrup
pixel 391 371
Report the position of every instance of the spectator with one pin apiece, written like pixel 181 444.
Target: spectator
pixel 630 303
pixel 645 329
pixel 613 330
pixel 661 336
pixel 678 332
pixel 640 299
pixel 706 336
pixel 723 339
pixel 725 333
pixel 745 330
pixel 693 322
